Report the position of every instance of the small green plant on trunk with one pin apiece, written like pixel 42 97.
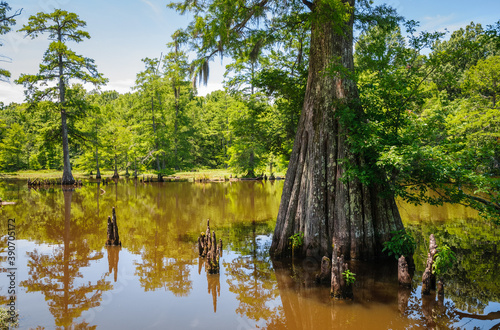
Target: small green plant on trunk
pixel 349 277
pixel 296 241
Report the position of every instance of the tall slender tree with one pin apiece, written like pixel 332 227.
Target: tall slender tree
pixel 326 195
pixel 59 64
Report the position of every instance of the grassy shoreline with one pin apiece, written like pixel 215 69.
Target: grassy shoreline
pixel 202 174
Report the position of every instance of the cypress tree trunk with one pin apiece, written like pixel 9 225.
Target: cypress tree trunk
pixel 317 199
pixel 67 178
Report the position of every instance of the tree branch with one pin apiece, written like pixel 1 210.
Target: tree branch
pixel 484 201
pixel 309 4
pixel 491 316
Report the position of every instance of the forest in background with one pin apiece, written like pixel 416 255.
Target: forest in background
pixel 430 105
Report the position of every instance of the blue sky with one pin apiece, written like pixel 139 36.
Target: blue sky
pixel 124 32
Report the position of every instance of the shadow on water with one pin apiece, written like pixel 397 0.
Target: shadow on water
pixel 158 273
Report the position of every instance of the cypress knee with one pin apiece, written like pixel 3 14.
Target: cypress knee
pixel 404 277
pixel 428 279
pixel 111 232
pixel 339 288
pixel 325 274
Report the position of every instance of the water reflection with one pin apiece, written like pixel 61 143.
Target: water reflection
pixel 113 258
pixel 56 275
pixel 251 276
pixel 159 224
pixel 213 281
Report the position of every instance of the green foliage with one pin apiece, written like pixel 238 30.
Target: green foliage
pixel 349 277
pixel 12 149
pixel 296 240
pixel 424 137
pixel 61 27
pixel 401 243
pixel 443 260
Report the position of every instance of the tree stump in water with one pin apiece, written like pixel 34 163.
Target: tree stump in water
pixel 428 279
pixel 339 287
pixel 326 271
pixel 113 236
pixel 404 277
pixel 208 247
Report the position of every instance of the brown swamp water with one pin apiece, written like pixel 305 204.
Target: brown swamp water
pixel 65 278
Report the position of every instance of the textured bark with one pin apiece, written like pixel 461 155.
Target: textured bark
pixel 317 200
pixel 98 174
pixel 211 249
pixel 404 277
pixel 113 236
pixel 428 279
pixel 111 232
pixel 67 178
pixel 326 273
pixel 339 288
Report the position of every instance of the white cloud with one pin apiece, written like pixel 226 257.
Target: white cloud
pixel 10 92
pixel 209 88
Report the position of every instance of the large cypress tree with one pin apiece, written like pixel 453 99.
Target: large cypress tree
pixel 324 196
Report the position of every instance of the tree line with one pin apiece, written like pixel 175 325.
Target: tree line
pixel 428 103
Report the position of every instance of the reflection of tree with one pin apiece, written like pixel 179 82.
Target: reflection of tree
pixel 252 279
pixel 213 281
pixel 55 275
pixel 473 281
pixel 113 257
pixel 165 266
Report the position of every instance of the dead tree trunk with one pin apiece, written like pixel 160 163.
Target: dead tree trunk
pixel 113 236
pixel 428 279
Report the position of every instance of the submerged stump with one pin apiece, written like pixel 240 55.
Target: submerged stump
pixel 113 236
pixel 428 279
pixel 404 277
pixel 208 248
pixel 325 275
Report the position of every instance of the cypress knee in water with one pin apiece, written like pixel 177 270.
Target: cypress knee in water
pixel 428 279
pixel 113 236
pixel 339 288
pixel 404 277
pixel 208 247
pixel 325 274
pixel 111 232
